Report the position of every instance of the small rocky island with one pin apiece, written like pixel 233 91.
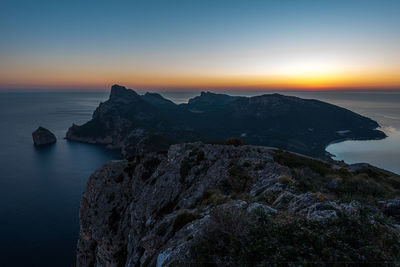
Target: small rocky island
pixel 129 122
pixel 43 136
pixel 199 204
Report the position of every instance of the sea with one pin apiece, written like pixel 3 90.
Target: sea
pixel 40 188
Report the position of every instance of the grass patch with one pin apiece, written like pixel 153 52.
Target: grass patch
pixel 212 197
pixel 235 239
pixel 295 161
pixel 284 179
pixel 365 185
pixel 237 181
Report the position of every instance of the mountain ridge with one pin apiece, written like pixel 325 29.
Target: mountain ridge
pixel 287 122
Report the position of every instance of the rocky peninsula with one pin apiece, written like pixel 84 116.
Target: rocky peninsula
pixel 137 123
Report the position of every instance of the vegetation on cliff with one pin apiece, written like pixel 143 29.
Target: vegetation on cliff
pixel 229 205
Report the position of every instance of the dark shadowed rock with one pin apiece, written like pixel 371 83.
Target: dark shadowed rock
pixel 211 205
pixel 42 136
pixel 291 123
pixel 208 99
pixel 392 208
pixel 158 100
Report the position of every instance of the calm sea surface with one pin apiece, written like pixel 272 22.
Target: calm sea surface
pixel 40 189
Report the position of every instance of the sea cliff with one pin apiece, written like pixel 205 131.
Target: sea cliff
pixel 227 205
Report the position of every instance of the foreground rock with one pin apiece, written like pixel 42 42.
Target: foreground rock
pixel 42 137
pixel 224 205
pixel 126 120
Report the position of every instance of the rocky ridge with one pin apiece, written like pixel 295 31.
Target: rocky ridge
pixel 305 126
pixel 226 205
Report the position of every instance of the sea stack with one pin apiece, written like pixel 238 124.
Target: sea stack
pixel 42 137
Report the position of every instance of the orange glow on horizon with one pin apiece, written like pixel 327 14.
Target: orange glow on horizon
pixel 101 80
pixel 266 45
pixel 253 70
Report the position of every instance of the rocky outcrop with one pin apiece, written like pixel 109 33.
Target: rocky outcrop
pixel 198 204
pixel 42 137
pixel 290 123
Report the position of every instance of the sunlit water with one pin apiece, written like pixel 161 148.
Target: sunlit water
pixel 384 107
pixel 40 189
pixel 382 153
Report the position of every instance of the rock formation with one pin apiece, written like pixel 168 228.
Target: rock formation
pixel 222 205
pixel 42 137
pixel 290 123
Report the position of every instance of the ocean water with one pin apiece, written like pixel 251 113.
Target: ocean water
pixel 383 107
pixel 40 188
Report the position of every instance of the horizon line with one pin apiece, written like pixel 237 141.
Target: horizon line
pixel 107 88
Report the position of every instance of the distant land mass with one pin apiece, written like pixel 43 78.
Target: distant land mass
pixel 132 122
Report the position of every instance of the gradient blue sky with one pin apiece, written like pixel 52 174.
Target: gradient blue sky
pixel 200 44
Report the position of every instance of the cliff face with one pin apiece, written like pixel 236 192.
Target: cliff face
pixel 227 206
pixel 300 125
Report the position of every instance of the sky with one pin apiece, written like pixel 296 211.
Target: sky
pixel 207 44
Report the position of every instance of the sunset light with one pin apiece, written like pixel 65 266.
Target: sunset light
pixel 199 133
pixel 265 45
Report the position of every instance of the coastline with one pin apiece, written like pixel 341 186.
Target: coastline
pixel 354 139
pixel 382 153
